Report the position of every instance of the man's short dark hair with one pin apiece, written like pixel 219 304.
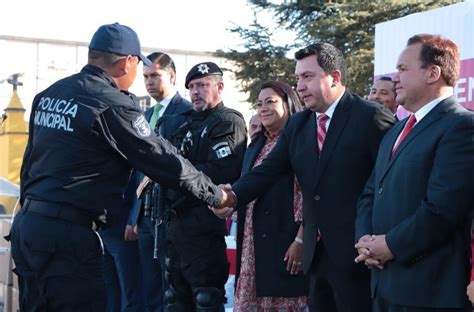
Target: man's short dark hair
pixel 163 60
pixel 329 58
pixel 387 78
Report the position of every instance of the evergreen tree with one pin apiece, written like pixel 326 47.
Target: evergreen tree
pixel 349 25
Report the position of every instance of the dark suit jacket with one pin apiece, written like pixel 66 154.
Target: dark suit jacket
pixel 332 183
pixel 274 230
pixel 421 199
pixel 167 125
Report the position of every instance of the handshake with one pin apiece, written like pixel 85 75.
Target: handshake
pixel 228 202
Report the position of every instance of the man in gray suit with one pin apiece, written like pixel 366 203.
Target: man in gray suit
pixel 413 220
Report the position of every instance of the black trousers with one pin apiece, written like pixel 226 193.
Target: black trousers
pixel 58 263
pixel 196 259
pixel 335 290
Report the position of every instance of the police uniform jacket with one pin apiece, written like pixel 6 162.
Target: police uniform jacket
pixel 213 140
pixel 85 135
pixel 171 119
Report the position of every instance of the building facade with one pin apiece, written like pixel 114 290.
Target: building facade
pixel 40 62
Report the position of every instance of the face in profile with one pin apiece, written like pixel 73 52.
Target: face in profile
pixel 313 84
pixel 130 64
pixel 410 79
pixel 271 110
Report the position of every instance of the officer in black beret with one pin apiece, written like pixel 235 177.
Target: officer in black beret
pixel 202 70
pixel 214 139
pixel 86 132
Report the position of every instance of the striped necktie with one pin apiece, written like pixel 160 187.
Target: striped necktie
pixel 321 131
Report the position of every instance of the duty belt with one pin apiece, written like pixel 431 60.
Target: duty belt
pixel 57 211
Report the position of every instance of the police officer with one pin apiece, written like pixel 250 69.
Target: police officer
pixel 165 118
pixel 86 132
pixel 214 139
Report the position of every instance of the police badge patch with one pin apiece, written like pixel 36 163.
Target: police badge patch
pixel 142 126
pixel 222 150
pixel 203 69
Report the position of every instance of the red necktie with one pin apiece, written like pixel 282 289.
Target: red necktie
pixel 321 131
pixel 321 136
pixel 408 126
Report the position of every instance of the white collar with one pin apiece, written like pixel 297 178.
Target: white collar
pixel 422 112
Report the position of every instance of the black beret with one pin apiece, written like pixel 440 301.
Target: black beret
pixel 202 70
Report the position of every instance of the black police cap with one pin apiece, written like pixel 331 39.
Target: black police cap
pixel 202 70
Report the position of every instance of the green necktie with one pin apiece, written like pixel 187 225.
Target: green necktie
pixel 156 115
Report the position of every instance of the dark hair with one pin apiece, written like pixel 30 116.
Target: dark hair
pixel 387 78
pixel 287 93
pixel 164 60
pixel 329 58
pixel 440 51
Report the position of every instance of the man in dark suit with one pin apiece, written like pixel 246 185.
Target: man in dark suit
pixel 164 117
pixel 413 220
pixel 123 278
pixel 332 174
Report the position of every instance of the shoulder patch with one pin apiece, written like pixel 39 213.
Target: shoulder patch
pixel 222 150
pixel 142 126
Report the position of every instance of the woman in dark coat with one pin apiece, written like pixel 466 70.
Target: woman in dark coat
pixel 270 234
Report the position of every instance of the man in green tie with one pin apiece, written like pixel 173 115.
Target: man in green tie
pixel 164 117
pixel 155 114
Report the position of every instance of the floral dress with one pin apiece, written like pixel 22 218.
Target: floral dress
pixel 245 293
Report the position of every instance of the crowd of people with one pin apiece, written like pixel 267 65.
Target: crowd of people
pixel 340 206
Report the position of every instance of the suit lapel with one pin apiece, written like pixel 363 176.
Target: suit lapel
pixel 171 107
pixel 336 127
pixel 434 115
pixel 385 153
pixel 148 114
pixel 252 153
pixel 169 110
pixel 308 143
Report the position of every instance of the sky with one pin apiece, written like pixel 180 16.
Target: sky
pixel 201 25
pixel 171 24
